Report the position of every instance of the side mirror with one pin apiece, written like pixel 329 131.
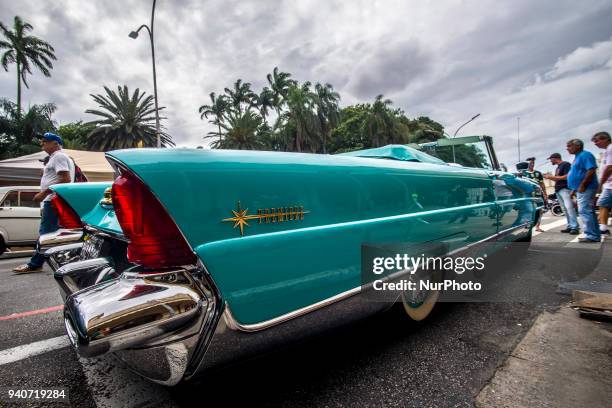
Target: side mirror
pixel 522 166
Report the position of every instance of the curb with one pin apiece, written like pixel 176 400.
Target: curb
pixel 17 254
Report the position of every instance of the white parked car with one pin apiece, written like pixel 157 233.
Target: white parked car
pixel 19 217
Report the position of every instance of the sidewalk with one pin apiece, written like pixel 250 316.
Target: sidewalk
pixel 563 361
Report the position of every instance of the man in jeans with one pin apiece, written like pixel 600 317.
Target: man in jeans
pixel 59 169
pixel 602 140
pixel 563 192
pixel 582 181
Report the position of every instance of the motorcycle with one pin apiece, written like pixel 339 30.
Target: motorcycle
pixel 554 206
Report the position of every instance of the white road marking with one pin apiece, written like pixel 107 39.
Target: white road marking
pixel 549 226
pixel 33 349
pixel 110 382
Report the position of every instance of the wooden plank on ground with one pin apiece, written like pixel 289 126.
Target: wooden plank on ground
pixel 592 300
pixel 595 314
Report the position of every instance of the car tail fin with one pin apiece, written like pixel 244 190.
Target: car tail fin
pixel 155 240
pixel 68 218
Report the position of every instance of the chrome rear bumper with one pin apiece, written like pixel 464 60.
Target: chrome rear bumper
pixel 158 322
pixel 143 313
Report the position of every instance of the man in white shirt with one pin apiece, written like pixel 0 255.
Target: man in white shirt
pixel 602 140
pixel 59 169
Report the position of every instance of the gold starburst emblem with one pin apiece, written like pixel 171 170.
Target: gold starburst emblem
pixel 265 216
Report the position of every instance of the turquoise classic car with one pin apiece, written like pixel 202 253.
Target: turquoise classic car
pixel 193 259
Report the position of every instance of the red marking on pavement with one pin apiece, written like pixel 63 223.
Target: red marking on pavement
pixel 32 313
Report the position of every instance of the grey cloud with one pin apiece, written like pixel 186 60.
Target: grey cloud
pixel 512 47
pixel 389 68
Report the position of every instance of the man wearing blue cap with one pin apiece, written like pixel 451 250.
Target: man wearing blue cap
pixel 582 180
pixel 59 169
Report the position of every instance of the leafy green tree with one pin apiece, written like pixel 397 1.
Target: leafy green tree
pixel 348 135
pixel 25 51
pixel 74 134
pixel 241 132
pixel 218 108
pixel 423 129
pixel 127 121
pixel 18 129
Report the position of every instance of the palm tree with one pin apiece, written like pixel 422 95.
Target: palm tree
pixel 218 107
pixel 25 51
pixel 240 94
pixel 300 111
pixel 241 132
pixel 378 122
pixel 328 111
pixel 264 101
pixel 126 121
pixel 280 83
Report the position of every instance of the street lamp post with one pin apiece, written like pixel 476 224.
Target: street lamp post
pixel 134 35
pixel 458 129
pixel 518 137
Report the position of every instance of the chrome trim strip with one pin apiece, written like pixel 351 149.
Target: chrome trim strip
pixel 232 323
pixel 525 225
pixel 390 218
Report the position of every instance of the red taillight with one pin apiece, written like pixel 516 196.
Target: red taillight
pixel 68 218
pixel 155 240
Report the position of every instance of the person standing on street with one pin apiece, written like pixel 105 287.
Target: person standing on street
pixel 563 192
pixel 535 175
pixel 582 180
pixel 602 140
pixel 59 169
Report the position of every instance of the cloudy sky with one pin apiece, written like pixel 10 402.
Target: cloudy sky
pixel 547 62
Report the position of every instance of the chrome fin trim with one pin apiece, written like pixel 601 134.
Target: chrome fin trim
pixel 232 323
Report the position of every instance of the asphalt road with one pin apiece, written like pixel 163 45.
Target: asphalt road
pixel 385 360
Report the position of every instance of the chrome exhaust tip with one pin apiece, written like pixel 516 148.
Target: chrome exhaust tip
pixel 76 276
pixel 61 255
pixel 60 237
